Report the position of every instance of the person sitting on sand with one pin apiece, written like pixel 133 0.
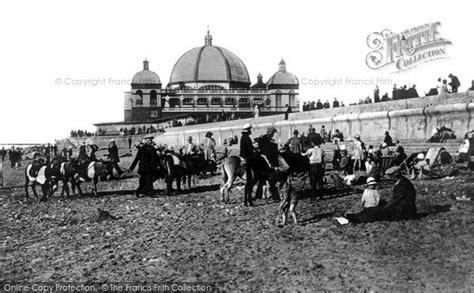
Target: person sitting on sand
pixel 400 207
pixel 370 198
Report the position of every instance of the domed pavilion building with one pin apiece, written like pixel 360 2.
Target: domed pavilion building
pixel 204 82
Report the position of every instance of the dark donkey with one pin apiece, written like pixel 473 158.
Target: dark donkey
pixel 69 169
pixel 44 174
pixel 234 167
pixel 93 171
pixel 173 170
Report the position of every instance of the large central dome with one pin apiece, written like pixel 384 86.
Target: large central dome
pixel 210 64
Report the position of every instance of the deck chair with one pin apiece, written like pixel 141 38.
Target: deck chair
pixel 386 162
pixel 408 163
pixel 433 154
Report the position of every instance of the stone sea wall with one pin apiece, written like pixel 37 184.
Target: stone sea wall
pixel 406 120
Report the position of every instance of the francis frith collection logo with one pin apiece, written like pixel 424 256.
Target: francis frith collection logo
pixel 407 49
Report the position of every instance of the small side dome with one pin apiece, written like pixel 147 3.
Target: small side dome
pixel 145 76
pixel 283 77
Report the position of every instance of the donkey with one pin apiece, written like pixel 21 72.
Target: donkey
pixel 174 169
pixel 235 166
pixel 93 172
pixel 44 174
pixel 68 170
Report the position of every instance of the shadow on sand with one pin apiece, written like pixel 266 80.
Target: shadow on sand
pixel 316 218
pixel 432 210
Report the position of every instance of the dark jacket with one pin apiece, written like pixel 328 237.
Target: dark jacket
pixel 148 159
pixel 315 138
pixel 402 204
pixel 455 82
pixel 93 149
pixel 82 153
pixel 388 140
pixel 270 149
pixel 113 154
pixel 246 146
pixel 412 93
pixel 295 145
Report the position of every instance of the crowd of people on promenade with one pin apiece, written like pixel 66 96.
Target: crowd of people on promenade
pixel 398 93
pixel 81 133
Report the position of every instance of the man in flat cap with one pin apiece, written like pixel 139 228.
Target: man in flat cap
pixel 269 148
pixel 147 168
pixel 400 207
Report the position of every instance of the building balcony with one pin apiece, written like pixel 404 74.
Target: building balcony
pixel 219 108
pixel 214 92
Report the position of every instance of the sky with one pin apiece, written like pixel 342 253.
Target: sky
pixel 66 64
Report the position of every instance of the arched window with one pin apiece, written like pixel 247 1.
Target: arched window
pixel 216 101
pixel 278 99
pixel 244 102
pixel 292 98
pixel 230 101
pixel 153 98
pixel 188 101
pixel 139 97
pixel 174 102
pixel 202 101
